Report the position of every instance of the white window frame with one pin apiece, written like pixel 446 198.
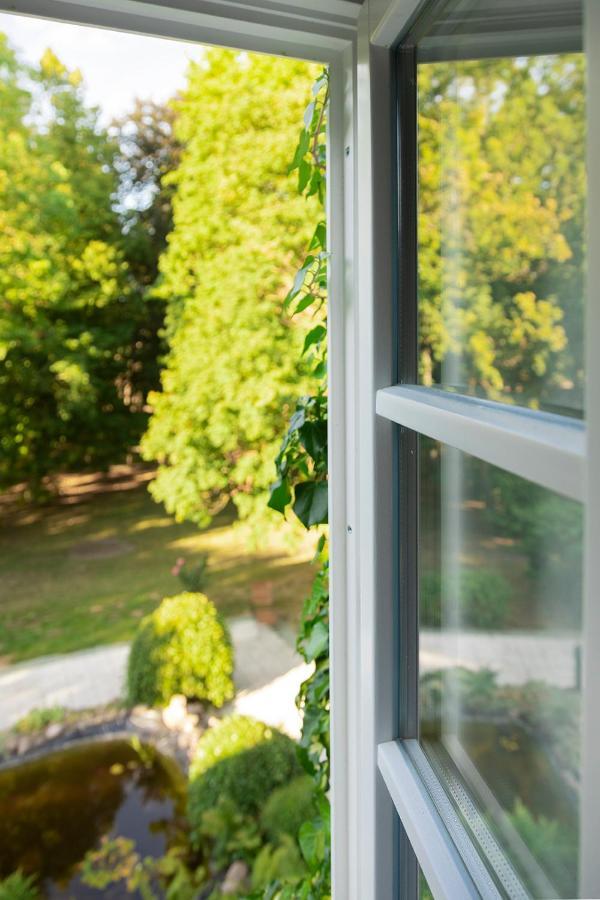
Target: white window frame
pixel 372 860
pixel 559 454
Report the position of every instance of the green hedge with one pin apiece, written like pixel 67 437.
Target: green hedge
pixel 240 760
pixel 183 647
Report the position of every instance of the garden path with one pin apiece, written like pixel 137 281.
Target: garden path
pixel 516 657
pixel 268 675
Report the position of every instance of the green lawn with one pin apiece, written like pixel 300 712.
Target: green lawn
pixel 58 593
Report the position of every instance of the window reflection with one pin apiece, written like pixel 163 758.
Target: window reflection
pixel 500 618
pixel 501 228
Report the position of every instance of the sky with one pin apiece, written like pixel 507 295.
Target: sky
pixel 116 67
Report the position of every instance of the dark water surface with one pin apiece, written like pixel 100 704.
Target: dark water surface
pixel 54 809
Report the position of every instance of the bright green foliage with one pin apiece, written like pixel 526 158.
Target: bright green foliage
pixel 301 463
pixel 71 391
pixel 281 861
pixel 116 862
pixel 232 371
pixel 19 887
pixel 501 224
pixel 225 834
pixel 183 647
pixel 288 807
pixel 313 697
pixel 301 467
pixel 241 760
pixel 39 718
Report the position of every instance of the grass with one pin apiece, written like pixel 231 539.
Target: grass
pixel 58 593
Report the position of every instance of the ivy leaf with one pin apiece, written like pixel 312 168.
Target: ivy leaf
pixel 280 495
pixel 306 301
pixel 301 275
pixel 297 420
pixel 313 437
pixel 314 336
pixel 319 84
pixel 304 175
pixel 309 113
pixel 310 504
pixel 320 370
pixel 317 641
pixel 301 150
pixel 312 844
pixel 317 183
pixel 319 238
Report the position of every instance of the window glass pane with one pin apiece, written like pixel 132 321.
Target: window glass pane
pixel 499 656
pixel 502 205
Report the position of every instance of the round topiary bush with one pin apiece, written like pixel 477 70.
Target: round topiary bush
pixel 288 808
pixel 183 647
pixel 240 760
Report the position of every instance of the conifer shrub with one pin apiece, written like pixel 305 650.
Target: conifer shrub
pixel 183 647
pixel 240 760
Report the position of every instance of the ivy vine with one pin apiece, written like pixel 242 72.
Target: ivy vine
pixel 301 486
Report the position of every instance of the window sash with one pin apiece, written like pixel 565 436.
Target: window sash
pixel 544 448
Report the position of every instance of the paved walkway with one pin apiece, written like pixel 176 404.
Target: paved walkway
pixel 267 676
pixel 269 672
pixel 515 657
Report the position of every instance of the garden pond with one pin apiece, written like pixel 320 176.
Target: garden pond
pixel 56 808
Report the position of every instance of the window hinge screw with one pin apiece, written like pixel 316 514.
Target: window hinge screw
pixel 349 529
pixel 347 151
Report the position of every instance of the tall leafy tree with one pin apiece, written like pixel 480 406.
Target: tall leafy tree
pixel 148 152
pixel 69 307
pixel 232 371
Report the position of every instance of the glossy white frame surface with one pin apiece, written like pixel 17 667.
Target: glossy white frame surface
pixel 561 454
pixel 544 448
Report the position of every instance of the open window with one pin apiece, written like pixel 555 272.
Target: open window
pixel 489 410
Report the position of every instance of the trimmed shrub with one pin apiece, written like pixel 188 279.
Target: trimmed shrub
pixel 288 807
pixel 183 647
pixel 241 760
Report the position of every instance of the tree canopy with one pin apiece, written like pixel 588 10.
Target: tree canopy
pixel 71 389
pixel 232 371
pixel 501 227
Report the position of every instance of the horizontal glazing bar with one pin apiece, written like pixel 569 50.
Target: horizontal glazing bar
pixel 438 857
pixel 542 447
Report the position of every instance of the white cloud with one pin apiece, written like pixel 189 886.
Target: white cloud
pixel 117 67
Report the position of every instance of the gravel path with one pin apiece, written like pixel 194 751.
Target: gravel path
pixel 268 675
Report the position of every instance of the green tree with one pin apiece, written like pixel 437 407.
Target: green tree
pixel 148 152
pixel 501 223
pixel 232 371
pixel 70 308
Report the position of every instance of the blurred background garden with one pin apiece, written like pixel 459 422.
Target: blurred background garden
pixel 152 223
